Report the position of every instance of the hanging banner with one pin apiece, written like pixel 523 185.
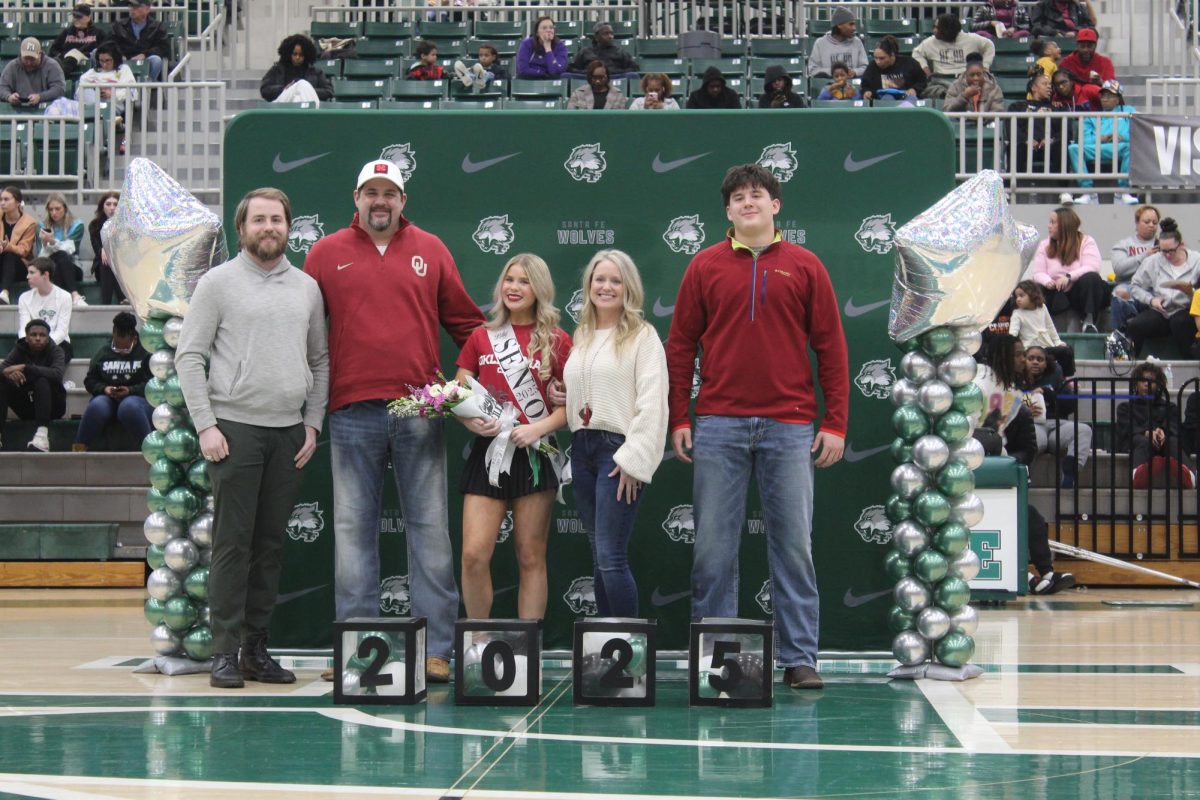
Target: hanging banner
pixel 1164 151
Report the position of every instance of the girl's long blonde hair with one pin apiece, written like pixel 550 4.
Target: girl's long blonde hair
pixel 631 321
pixel 545 315
pixel 68 218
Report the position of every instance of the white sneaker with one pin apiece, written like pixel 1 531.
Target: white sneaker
pixel 40 441
pixel 478 78
pixel 1087 200
pixel 1065 199
pixel 4 297
pixel 1130 199
pixel 463 74
pixel 79 301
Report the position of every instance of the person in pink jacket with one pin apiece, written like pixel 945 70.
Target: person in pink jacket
pixel 1067 266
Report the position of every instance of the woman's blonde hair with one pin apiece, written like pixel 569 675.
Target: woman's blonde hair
pixel 68 218
pixel 545 315
pixel 631 321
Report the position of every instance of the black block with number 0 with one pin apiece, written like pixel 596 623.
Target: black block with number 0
pixel 379 661
pixel 730 663
pixel 497 662
pixel 613 660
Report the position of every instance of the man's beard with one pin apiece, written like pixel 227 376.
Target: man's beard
pixel 266 247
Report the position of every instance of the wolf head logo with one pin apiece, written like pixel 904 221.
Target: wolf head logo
pixel 877 234
pixel 875 379
pixel 306 522
pixel 581 596
pixel 763 598
pixel 575 306
pixel 685 234
pixel 494 234
pixel 394 596
pixel 403 157
pixel 780 160
pixel 873 525
pixel 304 233
pixel 680 524
pixel 506 528
pixel 586 163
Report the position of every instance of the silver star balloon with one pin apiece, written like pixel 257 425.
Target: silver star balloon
pixel 958 261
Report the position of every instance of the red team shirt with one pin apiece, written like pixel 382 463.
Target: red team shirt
pixel 478 357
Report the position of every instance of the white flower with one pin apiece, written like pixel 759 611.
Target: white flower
pixel 435 391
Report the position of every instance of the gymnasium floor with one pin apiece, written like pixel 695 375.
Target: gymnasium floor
pixel 1081 699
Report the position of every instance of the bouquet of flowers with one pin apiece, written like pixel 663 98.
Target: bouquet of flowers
pixel 443 398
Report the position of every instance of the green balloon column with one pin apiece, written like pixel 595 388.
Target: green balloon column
pixel 179 526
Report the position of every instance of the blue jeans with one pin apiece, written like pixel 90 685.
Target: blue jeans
pixel 726 451
pixel 1122 310
pixel 608 522
pixel 154 65
pixel 132 411
pixel 363 437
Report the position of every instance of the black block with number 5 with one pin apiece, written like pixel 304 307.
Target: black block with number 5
pixel 379 661
pixel 730 662
pixel 612 661
pixel 497 662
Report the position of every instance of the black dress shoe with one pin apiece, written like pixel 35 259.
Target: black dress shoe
pixel 804 677
pixel 257 665
pixel 225 672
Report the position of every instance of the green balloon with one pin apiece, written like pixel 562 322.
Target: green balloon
pixel 901 451
pixel 182 503
pixel 956 479
pixel 952 594
pixel 952 538
pixel 197 475
pixel 179 614
pixel 938 342
pixel 898 509
pixel 154 557
pixel 931 508
pixel 198 643
pixel 930 566
pixel 896 565
pixel 901 620
pixel 173 394
pixel 953 426
pixel 909 422
pixel 908 345
pixel 156 500
pixel 955 649
pixel 152 446
pixel 637 664
pixel 181 445
pixel 165 473
pixel 196 584
pixel 151 335
pixel 153 609
pixel 968 399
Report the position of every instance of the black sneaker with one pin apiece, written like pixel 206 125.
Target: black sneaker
pixel 803 677
pixel 1053 582
pixel 225 672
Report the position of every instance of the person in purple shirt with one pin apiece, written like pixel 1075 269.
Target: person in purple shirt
pixel 542 56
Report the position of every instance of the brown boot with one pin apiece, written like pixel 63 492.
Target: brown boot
pixel 79 447
pixel 437 670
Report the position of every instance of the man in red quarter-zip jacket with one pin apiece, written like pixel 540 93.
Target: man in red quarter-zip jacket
pixel 752 306
pixel 388 285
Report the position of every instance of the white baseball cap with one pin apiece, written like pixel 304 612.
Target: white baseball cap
pixel 381 169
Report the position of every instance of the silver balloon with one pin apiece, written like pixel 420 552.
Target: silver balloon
pixel 957 369
pixel 933 623
pixel 910 648
pixel 969 451
pixel 171 330
pixel 163 584
pixel 165 416
pixel 935 397
pixel 200 531
pixel 203 615
pixel 911 595
pixel 965 565
pixel 965 620
pixel 967 509
pixel 181 555
pixel 930 453
pixel 958 260
pixel 969 341
pixel 165 641
pixel 162 364
pixel 917 367
pixel 904 392
pixel 908 481
pixel 351 681
pixel 205 556
pixel 160 528
pixel 909 538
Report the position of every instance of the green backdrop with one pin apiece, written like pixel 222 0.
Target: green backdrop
pixel 563 185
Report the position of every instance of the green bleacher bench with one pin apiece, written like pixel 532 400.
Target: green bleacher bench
pixel 410 105
pixel 332 67
pixel 1007 45
pixel 527 104
pixel 656 48
pixel 40 30
pixel 500 29
pixel 730 67
pixel 1012 63
pixel 734 48
pixel 895 27
pixel 349 105
pixel 794 66
pixel 767 48
pixel 481 104
pixel 349 89
pixel 622 28
pixel 667 66
pixel 340 29
pixel 538 89
pixel 389 30
pixel 573 29
pixel 44 541
pixel 494 91
pixel 419 90
pixel 371 68
pixel 381 48
pixel 443 30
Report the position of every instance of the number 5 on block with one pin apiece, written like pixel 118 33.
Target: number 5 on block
pixel 729 663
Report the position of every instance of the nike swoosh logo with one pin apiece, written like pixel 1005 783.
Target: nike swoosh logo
pixel 854 166
pixel 662 311
pixel 853 455
pixel 659 599
pixel 666 166
pixel 287 166
pixel 283 598
pixel 343 266
pixel 852 600
pixel 857 311
pixel 470 166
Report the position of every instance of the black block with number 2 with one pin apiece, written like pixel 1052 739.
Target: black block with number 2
pixel 613 661
pixel 379 661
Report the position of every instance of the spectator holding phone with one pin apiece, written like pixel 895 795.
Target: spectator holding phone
pixel 656 93
pixel 32 79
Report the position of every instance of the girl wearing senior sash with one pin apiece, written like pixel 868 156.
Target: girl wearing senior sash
pixel 616 387
pixel 513 356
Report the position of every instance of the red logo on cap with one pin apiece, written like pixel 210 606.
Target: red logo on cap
pixel 381 169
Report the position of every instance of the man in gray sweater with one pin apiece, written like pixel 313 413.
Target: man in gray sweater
pixel 32 79
pixel 260 325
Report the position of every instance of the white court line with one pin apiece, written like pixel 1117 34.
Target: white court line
pixel 1191 670
pixel 317 688
pixel 112 662
pixel 1025 707
pixel 1077 724
pixel 962 717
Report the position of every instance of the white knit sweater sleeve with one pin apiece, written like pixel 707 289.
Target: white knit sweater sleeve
pixel 646 433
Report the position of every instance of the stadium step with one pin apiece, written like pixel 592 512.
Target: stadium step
pixel 113 439
pixel 72 574
pixel 84 319
pixel 38 541
pixel 72 469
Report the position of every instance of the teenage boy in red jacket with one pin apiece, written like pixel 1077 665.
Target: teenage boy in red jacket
pixel 752 306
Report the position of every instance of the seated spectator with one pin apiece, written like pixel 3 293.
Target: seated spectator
pixel 1085 63
pixel 295 77
pixel 1054 429
pixel 1163 285
pixel 656 93
pixel 841 87
pixel 1001 426
pixel 1067 266
pixel 1038 141
pixel 485 70
pixel 617 60
pixel 46 302
pixel 142 38
pixel 1071 96
pixel 943 56
pixel 16 241
pixel 598 94
pixel 1063 18
pixel 974 90
pixel 116 380
pixel 1112 134
pixel 777 87
pixel 900 75
pixel 713 92
pixel 1126 256
pixel 102 271
pixel 31 79
pixel 31 383
pixel 426 67
pixel 75 44
pixel 1148 429
pixel 1047 52
pixel 61 239
pixel 111 80
pixel 841 45
pixel 542 56
pixel 999 19
pixel 1031 323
